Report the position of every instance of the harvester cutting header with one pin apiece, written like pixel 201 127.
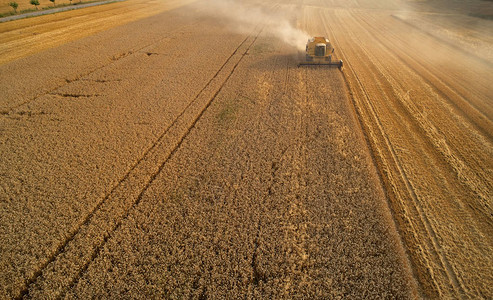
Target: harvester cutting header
pixel 319 53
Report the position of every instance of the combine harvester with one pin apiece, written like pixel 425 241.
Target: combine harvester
pixel 319 53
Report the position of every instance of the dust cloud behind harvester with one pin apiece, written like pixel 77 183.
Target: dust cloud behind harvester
pixel 243 18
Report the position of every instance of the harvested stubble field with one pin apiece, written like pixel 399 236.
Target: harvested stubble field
pixel 172 157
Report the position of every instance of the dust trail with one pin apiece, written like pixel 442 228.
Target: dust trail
pixel 242 18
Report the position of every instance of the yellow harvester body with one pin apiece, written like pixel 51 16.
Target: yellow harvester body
pixel 319 51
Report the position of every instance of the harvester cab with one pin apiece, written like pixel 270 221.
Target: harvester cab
pixel 319 52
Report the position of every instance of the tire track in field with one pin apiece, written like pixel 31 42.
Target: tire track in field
pixel 433 242
pixel 67 257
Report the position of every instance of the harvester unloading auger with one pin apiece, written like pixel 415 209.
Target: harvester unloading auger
pixel 319 53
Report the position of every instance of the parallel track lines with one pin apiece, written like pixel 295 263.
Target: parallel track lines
pixel 454 157
pixel 89 218
pixel 454 97
pixel 161 167
pixel 393 156
pixel 98 205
